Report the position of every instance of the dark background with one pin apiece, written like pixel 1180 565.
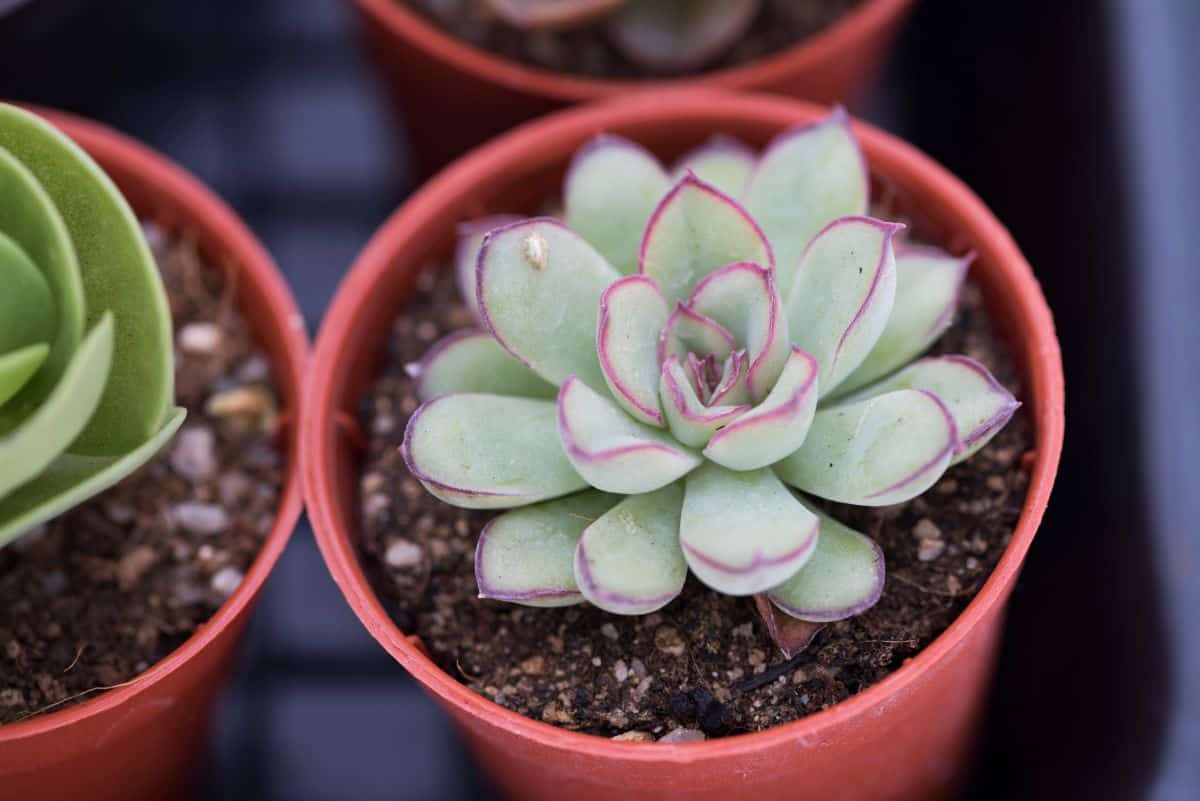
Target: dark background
pixel 1076 120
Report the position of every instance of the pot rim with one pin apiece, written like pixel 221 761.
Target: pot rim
pixel 902 163
pixel 820 48
pixel 194 202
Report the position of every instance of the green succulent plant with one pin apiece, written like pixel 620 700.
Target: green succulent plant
pixel 661 35
pixel 86 378
pixel 664 381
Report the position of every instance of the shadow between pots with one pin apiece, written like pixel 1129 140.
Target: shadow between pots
pixel 1017 99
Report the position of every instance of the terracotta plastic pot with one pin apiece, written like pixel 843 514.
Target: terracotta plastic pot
pixel 908 737
pixel 453 95
pixel 142 741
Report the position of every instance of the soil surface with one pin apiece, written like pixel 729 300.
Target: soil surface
pixel 100 594
pixel 704 665
pixel 586 51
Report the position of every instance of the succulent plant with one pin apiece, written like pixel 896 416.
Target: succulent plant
pixel 86 379
pixel 661 35
pixel 664 381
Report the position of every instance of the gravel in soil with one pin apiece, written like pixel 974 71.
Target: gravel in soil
pixel 587 52
pixel 704 665
pixel 98 595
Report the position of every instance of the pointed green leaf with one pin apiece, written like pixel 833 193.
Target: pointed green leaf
pixel 488 451
pixel 632 316
pixel 55 424
pixel 979 404
pixel 629 562
pixel 774 428
pixel 74 478
pixel 473 361
pixel 928 281
pixel 119 276
pixel 692 422
pixel 674 36
pixel 723 162
pixel 30 221
pixel 18 366
pixel 539 291
pixel 843 295
pixel 612 186
pixel 611 450
pixel 844 577
pixel 26 304
pixel 743 532
pixel 742 298
pixel 527 556
pixel 695 231
pixel 875 452
pixel 806 179
pixel 466 255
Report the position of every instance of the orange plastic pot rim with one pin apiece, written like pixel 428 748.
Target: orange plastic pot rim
pixel 899 162
pixel 417 32
pixel 195 203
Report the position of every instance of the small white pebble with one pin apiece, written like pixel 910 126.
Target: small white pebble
pixel 200 518
pixel 926 529
pixel 403 553
pixel 609 631
pixel 194 454
pixel 621 671
pixel 929 550
pixel 201 339
pixel 226 580
pixel 682 735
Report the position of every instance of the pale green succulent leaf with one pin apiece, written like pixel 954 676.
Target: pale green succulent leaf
pixel 488 451
pixel 743 299
pixel 527 555
pixel 843 295
pixel 806 179
pixel 876 452
pixel 774 428
pixel 612 451
pixel 688 332
pixel 74 478
pixel 31 223
pixel 722 162
pixel 927 287
pixel 690 421
pixel 674 36
pixel 743 532
pixel 18 366
pixel 844 577
pixel 979 404
pixel 695 231
pixel 466 255
pixel 611 189
pixel 56 423
pixel 629 561
pixel 632 316
pixel 473 361
pixel 119 277
pixel 537 15
pixel 539 288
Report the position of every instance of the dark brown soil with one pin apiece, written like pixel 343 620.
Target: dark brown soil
pixel 587 52
pixel 98 595
pixel 705 661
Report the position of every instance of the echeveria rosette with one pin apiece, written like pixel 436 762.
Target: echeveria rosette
pixel 86 376
pixel 661 380
pixel 667 36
